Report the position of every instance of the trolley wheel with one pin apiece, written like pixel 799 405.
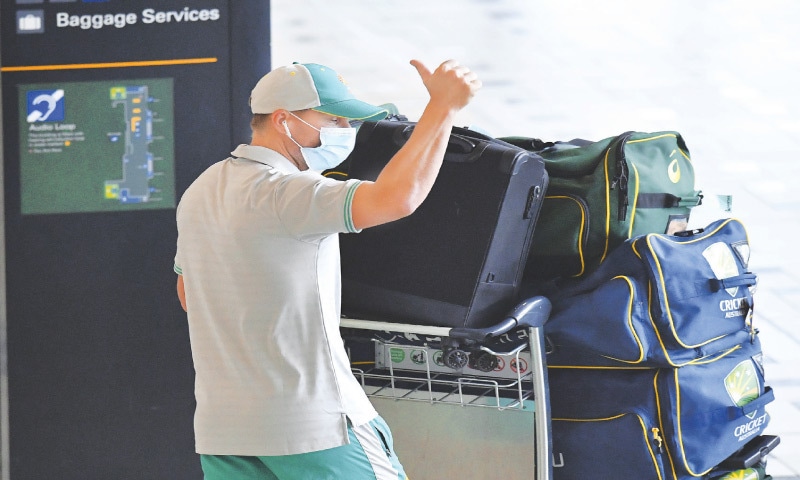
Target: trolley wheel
pixel 483 361
pixel 455 359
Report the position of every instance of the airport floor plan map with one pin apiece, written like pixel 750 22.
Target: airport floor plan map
pixel 97 146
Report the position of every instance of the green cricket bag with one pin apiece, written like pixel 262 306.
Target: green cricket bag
pixel 602 193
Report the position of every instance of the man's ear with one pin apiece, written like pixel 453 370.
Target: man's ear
pixel 278 118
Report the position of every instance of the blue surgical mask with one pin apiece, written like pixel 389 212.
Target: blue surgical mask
pixel 336 145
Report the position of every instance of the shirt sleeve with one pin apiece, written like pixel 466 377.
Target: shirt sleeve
pixel 310 205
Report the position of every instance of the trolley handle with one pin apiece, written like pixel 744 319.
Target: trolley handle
pixel 531 313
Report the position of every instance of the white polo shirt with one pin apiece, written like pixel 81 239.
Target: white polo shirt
pixel 259 252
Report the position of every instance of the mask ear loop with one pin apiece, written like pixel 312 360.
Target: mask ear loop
pixel 289 134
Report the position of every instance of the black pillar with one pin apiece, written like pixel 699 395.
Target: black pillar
pixel 110 110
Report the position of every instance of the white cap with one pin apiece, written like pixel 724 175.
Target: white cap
pixel 303 86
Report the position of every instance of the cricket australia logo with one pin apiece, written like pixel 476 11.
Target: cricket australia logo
pixel 742 383
pixel 743 386
pixel 722 262
pixel 722 259
pixel 746 474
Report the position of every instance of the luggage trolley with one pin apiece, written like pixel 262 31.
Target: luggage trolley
pixel 426 380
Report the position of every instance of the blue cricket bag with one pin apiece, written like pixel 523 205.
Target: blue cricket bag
pixel 658 301
pixel 657 423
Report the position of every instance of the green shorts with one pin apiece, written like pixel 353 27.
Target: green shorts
pixel 369 456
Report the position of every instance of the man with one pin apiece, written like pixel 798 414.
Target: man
pixel 258 275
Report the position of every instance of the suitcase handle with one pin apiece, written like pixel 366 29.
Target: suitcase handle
pixel 531 313
pixel 458 143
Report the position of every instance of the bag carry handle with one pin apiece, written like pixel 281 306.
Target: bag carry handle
pixel 538 145
pixel 667 200
pixel 759 402
pixel 689 233
pixel 746 279
pixel 724 415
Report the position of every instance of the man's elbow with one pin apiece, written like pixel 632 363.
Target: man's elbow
pixel 401 205
pixel 405 201
pixel 405 207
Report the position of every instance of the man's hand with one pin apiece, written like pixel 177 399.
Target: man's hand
pixel 181 292
pixel 451 85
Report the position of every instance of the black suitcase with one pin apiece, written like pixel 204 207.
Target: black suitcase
pixel 458 260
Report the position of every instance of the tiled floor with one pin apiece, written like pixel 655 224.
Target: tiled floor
pixel 723 73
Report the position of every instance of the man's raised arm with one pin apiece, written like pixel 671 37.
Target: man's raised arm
pixel 409 176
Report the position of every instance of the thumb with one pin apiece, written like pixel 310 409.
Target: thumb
pixel 423 71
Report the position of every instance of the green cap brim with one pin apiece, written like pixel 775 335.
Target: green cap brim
pixel 353 109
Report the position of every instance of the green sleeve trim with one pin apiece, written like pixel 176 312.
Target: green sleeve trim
pixel 177 269
pixel 348 208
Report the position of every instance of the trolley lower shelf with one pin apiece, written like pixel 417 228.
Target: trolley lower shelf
pixel 447 441
pixel 451 424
